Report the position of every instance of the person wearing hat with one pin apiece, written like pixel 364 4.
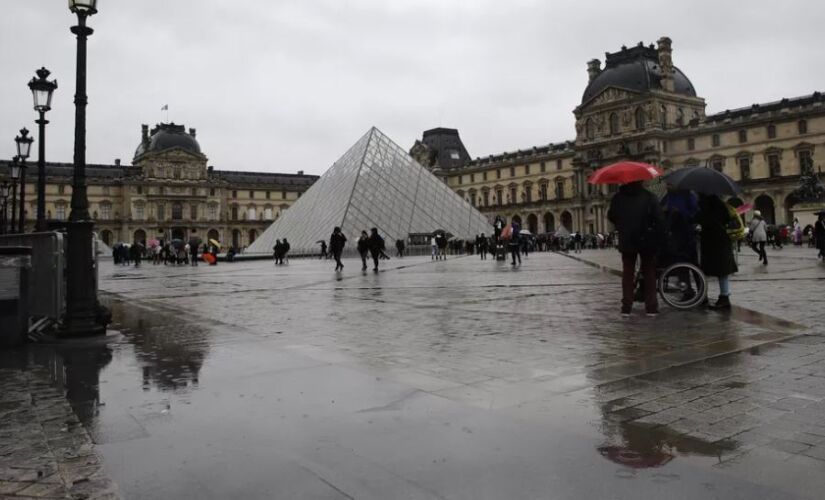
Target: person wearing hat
pixel 819 233
pixel 759 236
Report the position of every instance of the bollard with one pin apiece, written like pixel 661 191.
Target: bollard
pixel 15 263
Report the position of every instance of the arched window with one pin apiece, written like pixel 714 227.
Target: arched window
pixel 614 123
pixel 640 118
pixel 680 116
pixel 252 213
pixel 268 213
pixel 177 211
pixel 663 116
pixel 588 129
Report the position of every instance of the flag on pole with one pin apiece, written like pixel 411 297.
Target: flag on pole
pixel 165 107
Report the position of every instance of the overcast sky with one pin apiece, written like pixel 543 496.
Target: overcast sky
pixel 275 85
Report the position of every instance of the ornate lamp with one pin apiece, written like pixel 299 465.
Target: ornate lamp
pixel 84 7
pixel 42 89
pixel 24 144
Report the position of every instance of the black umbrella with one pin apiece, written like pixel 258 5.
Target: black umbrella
pixel 702 180
pixel 177 243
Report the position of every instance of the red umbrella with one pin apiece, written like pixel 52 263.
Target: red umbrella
pixel 741 209
pixel 625 172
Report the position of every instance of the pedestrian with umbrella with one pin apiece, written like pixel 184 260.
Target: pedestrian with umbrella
pixel 636 214
pixel 715 219
pixel 194 245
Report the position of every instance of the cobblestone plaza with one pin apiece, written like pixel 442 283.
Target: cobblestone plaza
pixel 450 379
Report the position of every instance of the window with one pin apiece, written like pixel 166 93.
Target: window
pixel 283 195
pixel 664 147
pixel 105 211
pixel 528 194
pixel 691 144
pixel 193 211
pixel 60 211
pixel 454 155
pixel 774 167
pixel 252 195
pixel 251 214
pixel 140 213
pixel 588 129
pixel 802 126
pixel 499 196
pixel 543 167
pixel 745 168
pixel 472 198
pixel 513 197
pixel 527 170
pixel 234 194
pixel 211 191
pixel 714 140
pixel 498 173
pixel 559 190
pixel 140 190
pixel 640 118
pixel 161 212
pixel 771 131
pixel 543 191
pixel 177 173
pixel 558 164
pixel 663 116
pixel 680 116
pixel 805 161
pixel 472 178
pixel 268 213
pixel 177 211
pixel 234 212
pixel 486 197
pixel 614 123
pixel 61 189
pixel 213 211
pixel 106 190
pixel 743 136
pixel 484 176
pixel 460 179
pixel 512 171
pixel 717 164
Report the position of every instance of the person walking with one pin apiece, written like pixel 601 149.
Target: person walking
pixel 194 245
pixel 441 246
pixel 277 252
pixel 324 254
pixel 759 236
pixel 577 242
pixel 433 248
pixel 636 214
pixel 363 248
pixel 336 245
pixel 715 246
pixel 136 251
pixel 399 247
pixel 376 246
pixel 515 243
pixel 482 246
pixel 285 253
pixel 819 234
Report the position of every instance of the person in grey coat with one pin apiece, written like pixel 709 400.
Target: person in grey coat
pixel 759 236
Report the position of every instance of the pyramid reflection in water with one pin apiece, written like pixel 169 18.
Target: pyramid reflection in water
pixel 375 184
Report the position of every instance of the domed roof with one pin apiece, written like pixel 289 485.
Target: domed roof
pixel 636 69
pixel 167 136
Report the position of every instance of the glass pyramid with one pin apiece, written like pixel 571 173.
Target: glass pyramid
pixel 374 184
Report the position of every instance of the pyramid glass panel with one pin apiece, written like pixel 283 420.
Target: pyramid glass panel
pixel 374 184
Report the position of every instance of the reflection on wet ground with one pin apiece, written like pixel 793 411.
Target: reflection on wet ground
pixel 456 379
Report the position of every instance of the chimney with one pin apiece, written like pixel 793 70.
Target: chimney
pixel 117 162
pixel 666 62
pixel 300 172
pixel 210 169
pixel 144 133
pixel 192 132
pixel 594 68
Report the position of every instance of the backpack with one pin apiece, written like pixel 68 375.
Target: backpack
pixel 735 227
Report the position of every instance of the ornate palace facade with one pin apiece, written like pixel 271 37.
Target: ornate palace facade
pixel 638 107
pixel 168 191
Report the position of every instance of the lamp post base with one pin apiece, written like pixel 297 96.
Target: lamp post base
pixel 84 315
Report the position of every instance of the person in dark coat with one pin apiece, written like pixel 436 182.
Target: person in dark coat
pixel 324 250
pixel 194 244
pixel 481 244
pixel 285 254
pixel 515 243
pixel 376 246
pixel 399 247
pixel 336 245
pixel 715 246
pixel 136 252
pixel 363 249
pixel 819 234
pixel 636 214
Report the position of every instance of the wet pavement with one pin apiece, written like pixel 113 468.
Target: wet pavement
pixel 452 380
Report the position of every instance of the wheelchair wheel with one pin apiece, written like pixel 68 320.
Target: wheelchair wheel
pixel 683 286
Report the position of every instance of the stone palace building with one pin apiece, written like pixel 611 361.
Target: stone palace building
pixel 168 191
pixel 639 107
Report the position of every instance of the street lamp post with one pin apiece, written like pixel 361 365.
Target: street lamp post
pixel 42 90
pixel 14 171
pixel 83 313
pixel 5 191
pixel 24 145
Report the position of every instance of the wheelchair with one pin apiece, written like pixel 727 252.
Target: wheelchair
pixel 681 284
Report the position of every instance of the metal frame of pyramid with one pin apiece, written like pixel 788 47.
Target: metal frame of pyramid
pixel 374 184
